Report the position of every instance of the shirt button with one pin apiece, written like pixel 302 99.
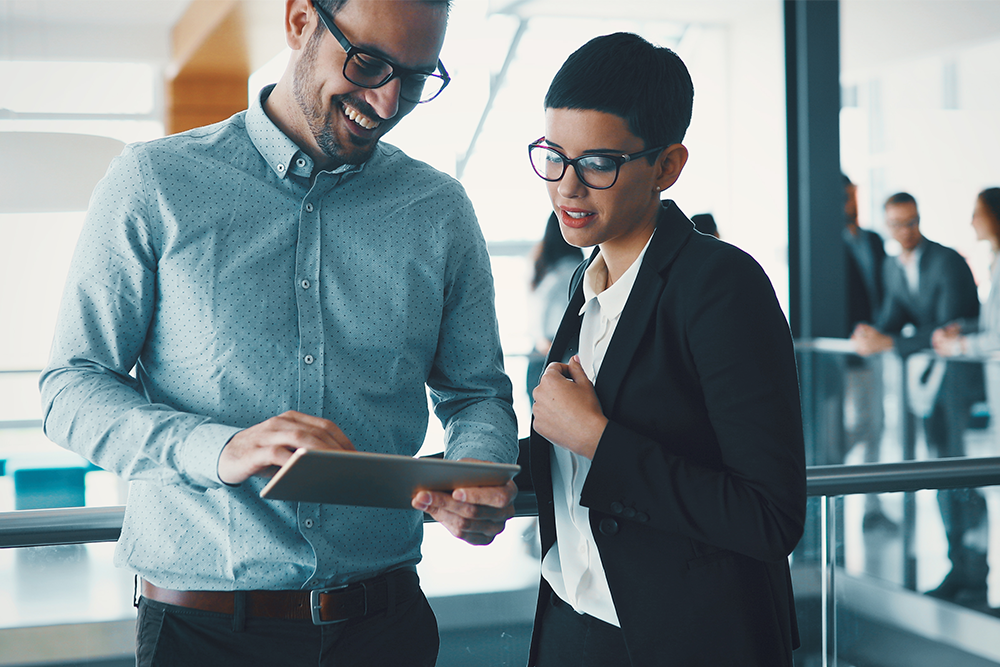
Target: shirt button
pixel 309 207
pixel 308 359
pixel 280 167
pixel 308 523
pixel 305 284
pixel 300 162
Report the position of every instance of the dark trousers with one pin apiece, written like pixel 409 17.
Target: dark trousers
pixel 568 638
pixel 963 511
pixel 169 636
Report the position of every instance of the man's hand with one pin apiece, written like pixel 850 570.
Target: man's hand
pixel 567 411
pixel 947 340
pixel 475 515
pixel 868 340
pixel 260 449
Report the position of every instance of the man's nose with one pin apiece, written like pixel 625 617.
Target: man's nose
pixel 385 99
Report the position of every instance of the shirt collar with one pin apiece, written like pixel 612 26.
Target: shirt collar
pixel 280 152
pixel 612 300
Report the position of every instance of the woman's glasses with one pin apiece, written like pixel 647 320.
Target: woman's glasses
pixel 598 171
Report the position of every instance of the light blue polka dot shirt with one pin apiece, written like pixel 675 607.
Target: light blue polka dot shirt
pixel 238 284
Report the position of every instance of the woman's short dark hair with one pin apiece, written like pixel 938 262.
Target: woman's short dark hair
pixel 624 75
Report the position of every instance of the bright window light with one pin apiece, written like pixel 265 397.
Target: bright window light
pixel 76 87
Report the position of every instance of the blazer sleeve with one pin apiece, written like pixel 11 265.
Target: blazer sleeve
pixel 733 475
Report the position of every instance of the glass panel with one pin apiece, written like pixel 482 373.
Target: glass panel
pixel 876 612
pixel 484 598
pixel 920 113
pixel 867 561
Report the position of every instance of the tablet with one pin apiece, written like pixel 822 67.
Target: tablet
pixel 376 480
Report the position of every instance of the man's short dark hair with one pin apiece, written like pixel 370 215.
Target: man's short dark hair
pixel 900 198
pixel 624 75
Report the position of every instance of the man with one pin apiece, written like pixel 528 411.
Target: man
pixel 284 279
pixel 928 286
pixel 863 413
pixel 666 449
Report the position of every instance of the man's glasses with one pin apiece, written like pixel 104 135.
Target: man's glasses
pixel 905 224
pixel 369 71
pixel 598 171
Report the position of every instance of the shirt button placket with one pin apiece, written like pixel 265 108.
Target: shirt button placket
pixel 310 328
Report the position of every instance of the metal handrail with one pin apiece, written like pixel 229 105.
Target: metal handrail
pixel 80 525
pixel 948 473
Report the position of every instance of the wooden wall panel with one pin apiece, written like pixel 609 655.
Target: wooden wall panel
pixel 207 79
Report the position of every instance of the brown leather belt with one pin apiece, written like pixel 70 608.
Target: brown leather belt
pixel 321 606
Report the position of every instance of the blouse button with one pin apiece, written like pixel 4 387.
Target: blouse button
pixel 309 207
pixel 305 284
pixel 308 359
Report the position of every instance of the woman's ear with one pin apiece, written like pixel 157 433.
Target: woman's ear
pixel 298 19
pixel 670 164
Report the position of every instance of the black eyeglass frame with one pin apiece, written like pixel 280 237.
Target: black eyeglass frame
pixel 618 158
pixel 395 71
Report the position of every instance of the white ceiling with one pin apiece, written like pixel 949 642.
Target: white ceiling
pixel 875 30
pixel 94 12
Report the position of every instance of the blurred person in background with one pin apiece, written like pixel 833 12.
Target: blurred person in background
pixel 555 262
pixel 705 223
pixel 929 286
pixel 981 337
pixel 863 410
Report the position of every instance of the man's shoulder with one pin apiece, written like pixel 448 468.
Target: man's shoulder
pixel 936 252
pixel 873 238
pixel 199 138
pixel 396 162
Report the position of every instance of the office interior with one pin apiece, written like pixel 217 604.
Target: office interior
pixel 900 95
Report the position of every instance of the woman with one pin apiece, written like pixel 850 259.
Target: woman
pixel 982 338
pixel 666 450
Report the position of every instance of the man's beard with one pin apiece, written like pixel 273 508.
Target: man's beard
pixel 321 124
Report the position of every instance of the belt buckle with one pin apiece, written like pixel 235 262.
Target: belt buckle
pixel 316 608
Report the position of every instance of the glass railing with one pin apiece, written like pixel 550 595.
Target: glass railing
pixel 861 584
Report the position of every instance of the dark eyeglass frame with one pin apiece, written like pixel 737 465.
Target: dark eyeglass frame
pixel 906 224
pixel 618 158
pixel 395 71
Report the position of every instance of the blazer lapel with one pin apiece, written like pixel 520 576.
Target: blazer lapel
pixel 673 229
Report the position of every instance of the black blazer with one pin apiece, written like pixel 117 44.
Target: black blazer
pixel 946 292
pixel 865 262
pixel 697 492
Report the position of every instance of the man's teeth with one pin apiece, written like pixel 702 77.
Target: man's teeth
pixel 577 214
pixel 359 118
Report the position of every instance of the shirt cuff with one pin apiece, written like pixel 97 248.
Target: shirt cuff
pixel 201 451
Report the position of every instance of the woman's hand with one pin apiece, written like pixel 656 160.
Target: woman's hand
pixel 567 412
